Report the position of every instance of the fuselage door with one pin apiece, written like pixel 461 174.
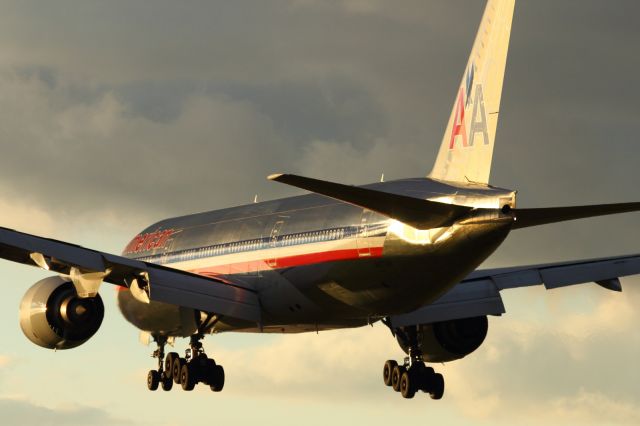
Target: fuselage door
pixel 362 240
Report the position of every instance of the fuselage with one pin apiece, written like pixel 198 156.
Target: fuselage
pixel 318 263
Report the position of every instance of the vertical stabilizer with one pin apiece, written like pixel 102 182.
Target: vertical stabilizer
pixel 467 146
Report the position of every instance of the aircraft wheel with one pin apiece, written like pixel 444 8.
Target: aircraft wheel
pixel 436 390
pixel 178 363
pixel 187 377
pixel 166 382
pixel 209 372
pixel 153 379
pixel 387 371
pixel 408 384
pixel 217 378
pixel 396 376
pixel 168 363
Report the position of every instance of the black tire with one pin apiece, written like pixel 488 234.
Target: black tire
pixel 178 363
pixel 168 363
pixel 408 384
pixel 217 383
pixel 396 375
pixel 153 379
pixel 187 378
pixel 166 382
pixel 387 371
pixel 209 372
pixel 200 368
pixel 436 390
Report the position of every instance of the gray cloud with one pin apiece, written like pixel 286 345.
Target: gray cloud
pixel 372 78
pixel 577 363
pixel 132 111
pixel 27 414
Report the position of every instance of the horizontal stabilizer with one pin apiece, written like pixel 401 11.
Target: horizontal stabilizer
pixel 416 212
pixel 525 218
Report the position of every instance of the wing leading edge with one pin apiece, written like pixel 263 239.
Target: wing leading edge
pixel 479 294
pixel 164 284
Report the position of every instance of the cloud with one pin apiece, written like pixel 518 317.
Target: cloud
pixel 577 363
pixel 330 365
pixel 24 412
pixel 87 158
pixel 122 115
pixel 4 361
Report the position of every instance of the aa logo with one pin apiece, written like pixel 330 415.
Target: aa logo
pixel 478 120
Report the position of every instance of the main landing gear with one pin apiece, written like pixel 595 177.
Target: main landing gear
pixel 413 375
pixel 187 372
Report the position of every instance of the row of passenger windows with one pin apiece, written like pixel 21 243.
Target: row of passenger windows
pixel 252 245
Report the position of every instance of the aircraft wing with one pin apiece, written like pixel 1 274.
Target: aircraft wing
pixel 162 284
pixel 479 293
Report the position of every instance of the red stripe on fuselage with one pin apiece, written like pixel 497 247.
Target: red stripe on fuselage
pixel 288 261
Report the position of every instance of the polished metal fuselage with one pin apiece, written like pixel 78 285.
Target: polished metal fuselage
pixel 317 263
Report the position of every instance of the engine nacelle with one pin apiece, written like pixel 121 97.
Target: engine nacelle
pixel 54 317
pixel 449 340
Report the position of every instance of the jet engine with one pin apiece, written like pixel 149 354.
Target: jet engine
pixel 448 340
pixel 54 317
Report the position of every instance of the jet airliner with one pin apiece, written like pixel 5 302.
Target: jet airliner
pixel 402 252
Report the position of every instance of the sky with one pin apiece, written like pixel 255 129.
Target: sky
pixel 116 114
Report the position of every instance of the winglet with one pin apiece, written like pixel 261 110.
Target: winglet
pixel 274 176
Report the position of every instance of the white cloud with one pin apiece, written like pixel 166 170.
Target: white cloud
pixel 26 216
pixel 4 361
pixel 575 367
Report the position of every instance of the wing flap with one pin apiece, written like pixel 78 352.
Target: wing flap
pixel 165 284
pixel 421 214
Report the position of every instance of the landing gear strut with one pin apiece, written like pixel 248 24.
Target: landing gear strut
pixel 413 375
pixel 159 376
pixel 187 372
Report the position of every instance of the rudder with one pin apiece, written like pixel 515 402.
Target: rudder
pixel 467 147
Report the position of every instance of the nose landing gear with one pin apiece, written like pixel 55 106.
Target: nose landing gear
pixel 187 372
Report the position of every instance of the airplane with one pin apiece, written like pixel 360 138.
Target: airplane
pixel 403 252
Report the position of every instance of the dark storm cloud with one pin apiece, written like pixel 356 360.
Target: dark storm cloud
pixel 171 108
pixel 137 110
pixel 176 108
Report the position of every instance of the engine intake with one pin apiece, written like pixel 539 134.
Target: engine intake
pixel 449 340
pixel 54 317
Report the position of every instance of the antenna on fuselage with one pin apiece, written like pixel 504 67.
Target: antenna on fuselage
pixel 255 198
pixel 382 178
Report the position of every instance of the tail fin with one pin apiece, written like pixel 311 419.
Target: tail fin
pixel 467 147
